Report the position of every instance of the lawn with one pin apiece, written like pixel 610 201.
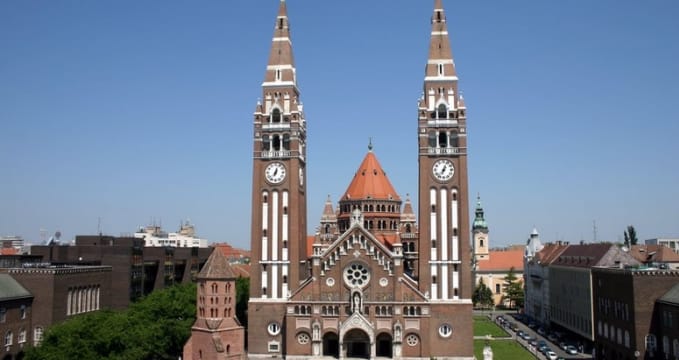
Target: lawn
pixel 503 349
pixel 483 326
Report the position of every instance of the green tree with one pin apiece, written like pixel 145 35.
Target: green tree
pixel 242 297
pixel 513 290
pixel 483 296
pixel 156 327
pixel 631 236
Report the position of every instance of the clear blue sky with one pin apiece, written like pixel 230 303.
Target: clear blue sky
pixel 128 111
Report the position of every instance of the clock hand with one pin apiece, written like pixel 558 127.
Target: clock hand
pixel 275 172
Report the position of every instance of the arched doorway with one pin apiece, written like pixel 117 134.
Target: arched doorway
pixel 331 345
pixel 384 345
pixel 357 344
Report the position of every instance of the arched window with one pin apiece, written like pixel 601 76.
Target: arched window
pixel 276 116
pixel 286 142
pixel 481 243
pixel 443 139
pixel 266 144
pixel 432 139
pixel 442 111
pixel 276 145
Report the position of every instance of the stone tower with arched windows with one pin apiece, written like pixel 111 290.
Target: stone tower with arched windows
pixel 217 333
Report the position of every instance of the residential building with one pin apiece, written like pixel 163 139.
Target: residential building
pixel 155 236
pixel 635 313
pixel 658 256
pixel 16 307
pixel 536 277
pixel 61 292
pixel 354 292
pixel 570 285
pixel 664 337
pixel 137 270
pixel 672 243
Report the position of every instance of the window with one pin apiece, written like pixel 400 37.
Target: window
pixel 37 335
pixel 22 336
pixel 276 116
pixel 412 340
pixel 3 315
pixel 445 330
pixel 273 329
pixel 481 244
pixel 8 338
pixel 303 338
pixel 22 312
pixel 356 275
pixel 273 346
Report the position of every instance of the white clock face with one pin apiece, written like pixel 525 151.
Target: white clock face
pixel 275 173
pixel 443 170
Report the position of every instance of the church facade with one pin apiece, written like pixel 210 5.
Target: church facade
pixel 376 280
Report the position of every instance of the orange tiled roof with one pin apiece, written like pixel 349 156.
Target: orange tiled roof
pixel 370 181
pixel 502 261
pixel 549 253
pixel 8 251
pixel 387 239
pixel 653 253
pixel 231 252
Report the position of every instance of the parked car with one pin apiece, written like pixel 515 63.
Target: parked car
pixel 520 333
pixel 551 355
pixel 551 337
pixel 541 331
pixel 563 346
pixel 571 350
pixel 526 336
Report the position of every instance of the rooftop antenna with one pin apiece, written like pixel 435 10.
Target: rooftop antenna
pixel 99 225
pixel 594 229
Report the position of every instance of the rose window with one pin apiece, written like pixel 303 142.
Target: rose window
pixel 356 275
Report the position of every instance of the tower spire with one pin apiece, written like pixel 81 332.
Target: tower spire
pixel 280 69
pixel 440 56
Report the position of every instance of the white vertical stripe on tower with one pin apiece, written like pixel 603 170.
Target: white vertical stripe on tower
pixel 265 226
pixel 274 281
pixel 274 244
pixel 443 279
pixel 432 221
pixel 456 240
pixel 285 222
pixel 444 225
pixel 274 226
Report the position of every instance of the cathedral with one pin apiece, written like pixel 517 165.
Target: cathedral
pixel 376 280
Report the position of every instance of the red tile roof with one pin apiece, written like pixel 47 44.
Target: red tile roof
pixel 502 261
pixel 231 252
pixel 8 251
pixel 653 253
pixel 370 181
pixel 549 253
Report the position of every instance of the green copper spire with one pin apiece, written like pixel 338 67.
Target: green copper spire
pixel 479 221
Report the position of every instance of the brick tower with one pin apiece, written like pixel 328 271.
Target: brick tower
pixel 216 334
pixel 444 240
pixel 278 233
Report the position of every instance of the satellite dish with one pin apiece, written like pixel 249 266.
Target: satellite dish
pixel 57 235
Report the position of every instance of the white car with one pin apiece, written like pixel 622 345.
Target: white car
pixel 551 355
pixel 570 349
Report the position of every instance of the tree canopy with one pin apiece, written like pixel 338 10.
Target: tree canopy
pixel 631 236
pixel 483 296
pixel 156 327
pixel 513 290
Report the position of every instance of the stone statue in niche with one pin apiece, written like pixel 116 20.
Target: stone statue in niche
pixel 356 302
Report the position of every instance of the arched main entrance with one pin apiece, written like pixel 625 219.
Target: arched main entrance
pixel 384 345
pixel 357 344
pixel 331 345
